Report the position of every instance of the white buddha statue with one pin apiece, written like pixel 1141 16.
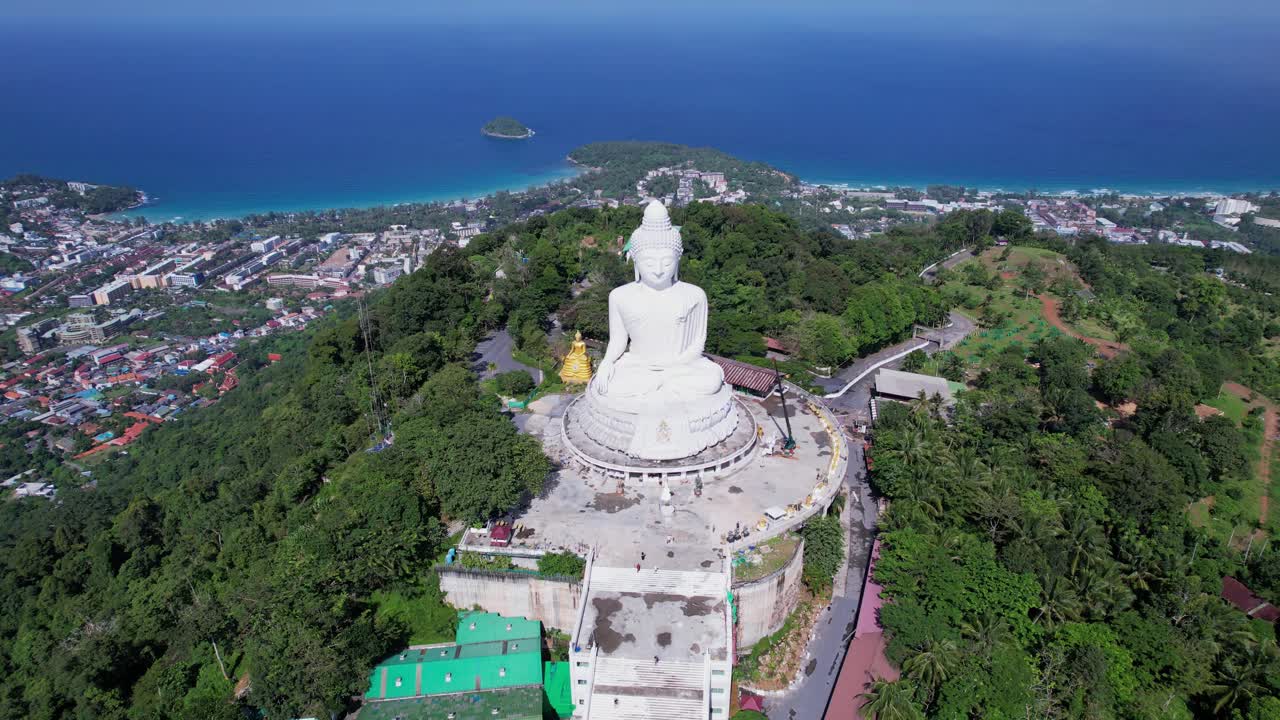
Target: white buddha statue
pixel 654 395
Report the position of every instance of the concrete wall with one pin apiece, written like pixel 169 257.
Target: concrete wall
pixel 553 602
pixel 764 604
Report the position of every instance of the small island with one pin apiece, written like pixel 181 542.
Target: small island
pixel 507 128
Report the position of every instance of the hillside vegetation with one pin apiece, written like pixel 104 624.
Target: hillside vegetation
pixel 263 531
pixel 1038 550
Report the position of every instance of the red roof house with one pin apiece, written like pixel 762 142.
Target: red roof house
pixel 776 345
pixel 1235 592
pixel 740 374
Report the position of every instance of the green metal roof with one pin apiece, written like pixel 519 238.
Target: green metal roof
pixel 521 703
pixel 555 685
pixel 478 627
pixel 456 668
pixel 492 652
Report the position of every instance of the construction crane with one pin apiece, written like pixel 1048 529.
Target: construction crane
pixel 789 444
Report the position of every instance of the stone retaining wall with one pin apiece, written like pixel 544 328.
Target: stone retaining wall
pixel 553 601
pixel 764 604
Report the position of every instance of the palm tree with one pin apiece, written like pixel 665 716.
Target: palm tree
pixel 1220 625
pixel 932 665
pixel 1241 680
pixel 1103 588
pixel 890 700
pixel 985 633
pixel 1058 601
pixel 1139 566
pixel 1085 539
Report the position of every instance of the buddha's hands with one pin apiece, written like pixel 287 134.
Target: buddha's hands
pixel 604 374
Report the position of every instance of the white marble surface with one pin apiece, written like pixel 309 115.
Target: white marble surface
pixel 654 396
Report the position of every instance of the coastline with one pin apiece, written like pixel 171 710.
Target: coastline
pixel 500 136
pixel 1143 188
pixel 156 210
pixel 197 210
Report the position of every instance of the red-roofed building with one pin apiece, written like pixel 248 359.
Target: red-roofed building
pixel 500 536
pixel 1235 592
pixel 865 660
pixel 94 450
pixel 741 375
pixel 775 345
pixel 229 382
pixel 275 357
pixel 223 360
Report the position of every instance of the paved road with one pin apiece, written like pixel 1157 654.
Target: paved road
pixel 932 273
pixel 808 699
pixel 958 328
pixel 497 349
pixel 856 397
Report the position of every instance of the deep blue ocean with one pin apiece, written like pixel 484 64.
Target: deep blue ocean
pixel 224 119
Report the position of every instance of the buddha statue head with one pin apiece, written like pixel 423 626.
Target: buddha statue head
pixel 655 248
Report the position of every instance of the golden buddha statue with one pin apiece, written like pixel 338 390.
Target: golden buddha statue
pixel 577 364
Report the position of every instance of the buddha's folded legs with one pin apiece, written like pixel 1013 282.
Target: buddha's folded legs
pixel 698 378
pixel 701 377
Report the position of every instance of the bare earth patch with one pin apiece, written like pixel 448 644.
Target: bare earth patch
pixel 780 665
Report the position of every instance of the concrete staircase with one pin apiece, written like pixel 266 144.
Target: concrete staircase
pixel 674 582
pixel 633 707
pixel 623 673
pixel 642 689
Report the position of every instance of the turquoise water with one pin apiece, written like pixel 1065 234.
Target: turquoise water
pixel 199 206
pixel 225 119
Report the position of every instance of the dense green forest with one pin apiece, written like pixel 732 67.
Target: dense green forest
pixel 259 536
pixel 1159 296
pixel 507 127
pixel 99 199
pixel 1038 553
pixel 620 164
pixel 261 525
pixel 763 275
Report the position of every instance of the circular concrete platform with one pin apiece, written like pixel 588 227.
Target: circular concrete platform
pixel 719 460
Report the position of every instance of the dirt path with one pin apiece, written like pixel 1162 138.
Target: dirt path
pixel 1271 426
pixel 1106 348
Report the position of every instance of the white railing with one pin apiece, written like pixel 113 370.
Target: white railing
pixel 922 345
pixel 823 494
